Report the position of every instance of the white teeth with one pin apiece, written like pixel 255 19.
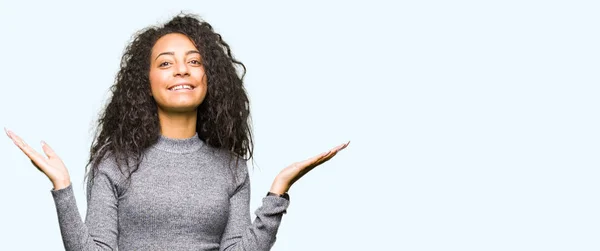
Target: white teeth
pixel 181 87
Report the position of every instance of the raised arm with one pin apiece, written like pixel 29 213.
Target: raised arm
pixel 100 230
pixel 239 234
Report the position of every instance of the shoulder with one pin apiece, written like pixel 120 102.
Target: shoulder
pixel 108 167
pixel 231 163
pixel 225 156
pixel 106 173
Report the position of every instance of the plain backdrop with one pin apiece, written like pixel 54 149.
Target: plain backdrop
pixel 473 124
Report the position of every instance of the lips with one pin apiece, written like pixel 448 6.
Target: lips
pixel 181 86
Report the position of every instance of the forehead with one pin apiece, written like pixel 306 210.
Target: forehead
pixel 172 43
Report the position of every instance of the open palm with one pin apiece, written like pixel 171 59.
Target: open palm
pixel 52 166
pixel 289 175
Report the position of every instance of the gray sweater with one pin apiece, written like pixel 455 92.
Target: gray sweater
pixel 182 197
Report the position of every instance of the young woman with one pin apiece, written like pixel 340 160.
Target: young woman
pixel 167 167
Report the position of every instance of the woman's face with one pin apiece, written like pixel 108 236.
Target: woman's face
pixel 177 77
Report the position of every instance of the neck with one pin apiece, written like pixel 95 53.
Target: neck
pixel 178 125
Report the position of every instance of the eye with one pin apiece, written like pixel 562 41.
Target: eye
pixel 195 61
pixel 163 64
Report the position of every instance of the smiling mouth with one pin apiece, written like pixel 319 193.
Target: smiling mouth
pixel 181 88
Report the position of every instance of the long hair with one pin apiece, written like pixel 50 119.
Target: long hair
pixel 129 123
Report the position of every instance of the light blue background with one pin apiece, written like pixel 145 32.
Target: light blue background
pixel 474 124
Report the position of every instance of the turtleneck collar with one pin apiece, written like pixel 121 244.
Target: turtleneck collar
pixel 173 145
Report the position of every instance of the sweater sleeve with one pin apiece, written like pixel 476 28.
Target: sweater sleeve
pixel 240 234
pixel 100 230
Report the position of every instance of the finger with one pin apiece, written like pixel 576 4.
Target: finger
pixel 36 166
pixel 38 160
pixel 15 138
pixel 48 150
pixel 342 146
pixel 345 145
pixel 325 158
pixel 12 136
pixel 332 153
pixel 313 160
pixel 337 148
pixel 33 155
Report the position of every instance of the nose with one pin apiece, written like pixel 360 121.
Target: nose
pixel 181 70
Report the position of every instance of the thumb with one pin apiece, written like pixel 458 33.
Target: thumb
pixel 47 150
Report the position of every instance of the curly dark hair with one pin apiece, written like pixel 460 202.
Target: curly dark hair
pixel 129 123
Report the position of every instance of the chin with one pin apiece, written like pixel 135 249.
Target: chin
pixel 179 105
pixel 179 108
pixel 183 108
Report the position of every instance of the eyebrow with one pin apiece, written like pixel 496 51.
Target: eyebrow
pixel 173 53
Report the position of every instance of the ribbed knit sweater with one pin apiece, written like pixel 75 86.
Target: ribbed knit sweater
pixel 183 197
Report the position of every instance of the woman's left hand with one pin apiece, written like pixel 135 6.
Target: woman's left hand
pixel 286 178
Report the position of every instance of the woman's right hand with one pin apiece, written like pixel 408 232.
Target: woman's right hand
pixel 53 167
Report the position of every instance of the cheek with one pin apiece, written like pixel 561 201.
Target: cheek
pixel 200 74
pixel 204 80
pixel 157 80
